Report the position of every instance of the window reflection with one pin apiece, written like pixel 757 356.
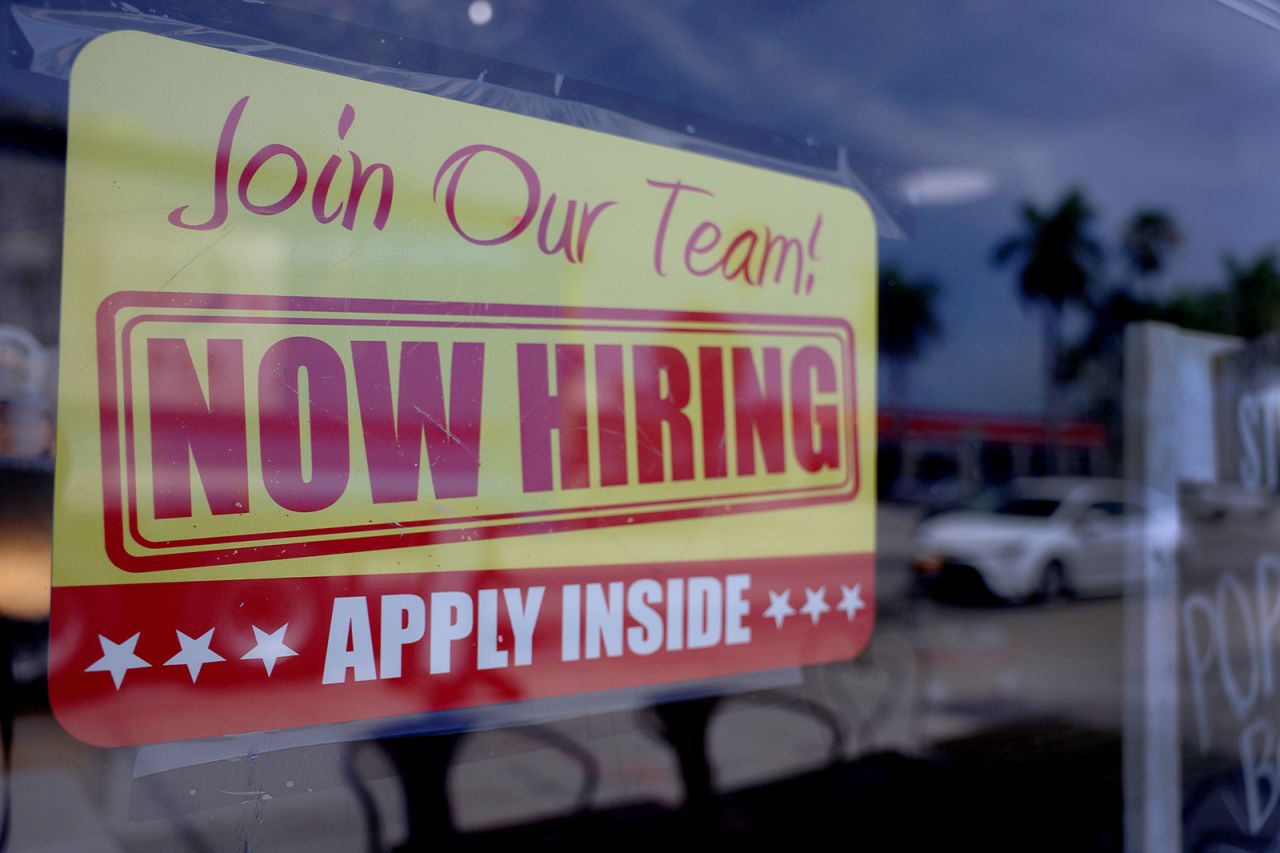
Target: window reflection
pixel 1040 492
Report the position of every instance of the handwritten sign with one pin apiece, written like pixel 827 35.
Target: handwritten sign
pixel 1229 610
pixel 374 403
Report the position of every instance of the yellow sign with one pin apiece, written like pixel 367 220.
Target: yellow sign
pixel 315 327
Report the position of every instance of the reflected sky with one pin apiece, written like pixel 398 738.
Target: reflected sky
pixel 1145 103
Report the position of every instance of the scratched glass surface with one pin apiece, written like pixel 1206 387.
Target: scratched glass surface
pixel 1056 625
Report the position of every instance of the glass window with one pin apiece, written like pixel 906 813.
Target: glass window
pixel 504 422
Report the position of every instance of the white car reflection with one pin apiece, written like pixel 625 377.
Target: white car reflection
pixel 1039 538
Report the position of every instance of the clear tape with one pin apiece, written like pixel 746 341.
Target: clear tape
pixel 56 37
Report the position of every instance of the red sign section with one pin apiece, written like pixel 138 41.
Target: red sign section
pixel 347 648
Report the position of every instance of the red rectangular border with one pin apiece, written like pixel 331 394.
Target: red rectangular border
pixel 451 314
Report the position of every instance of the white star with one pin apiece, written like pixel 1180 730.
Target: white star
pixel 815 603
pixel 851 602
pixel 270 647
pixel 195 653
pixel 117 658
pixel 779 607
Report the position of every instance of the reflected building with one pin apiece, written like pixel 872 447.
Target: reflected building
pixel 940 459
